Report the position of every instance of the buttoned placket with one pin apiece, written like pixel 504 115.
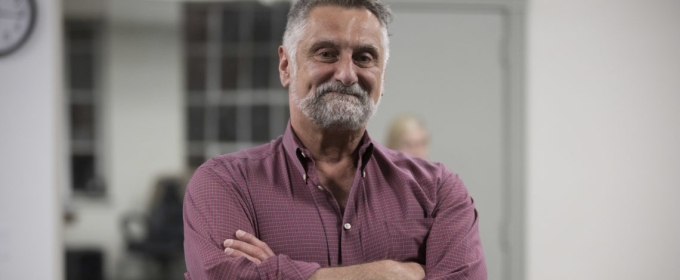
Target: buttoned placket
pixel 347 231
pixel 325 203
pixel 351 247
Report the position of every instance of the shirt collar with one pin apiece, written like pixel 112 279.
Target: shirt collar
pixel 299 153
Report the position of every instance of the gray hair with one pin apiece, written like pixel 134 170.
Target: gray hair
pixel 297 18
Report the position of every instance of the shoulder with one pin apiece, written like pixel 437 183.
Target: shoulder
pixel 259 153
pixel 256 153
pixel 234 168
pixel 427 173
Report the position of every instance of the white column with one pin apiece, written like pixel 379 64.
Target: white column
pixel 603 139
pixel 31 132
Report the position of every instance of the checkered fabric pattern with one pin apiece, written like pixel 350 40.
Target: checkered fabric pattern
pixel 399 208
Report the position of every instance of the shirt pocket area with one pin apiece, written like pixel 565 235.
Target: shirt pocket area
pixel 408 239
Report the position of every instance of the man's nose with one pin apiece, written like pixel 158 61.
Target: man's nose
pixel 346 71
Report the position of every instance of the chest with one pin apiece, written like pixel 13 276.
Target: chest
pixel 381 221
pixel 338 186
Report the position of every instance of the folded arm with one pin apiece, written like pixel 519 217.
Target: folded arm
pixel 248 246
pixel 214 210
pixel 454 247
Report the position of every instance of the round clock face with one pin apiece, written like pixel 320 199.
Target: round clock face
pixel 16 23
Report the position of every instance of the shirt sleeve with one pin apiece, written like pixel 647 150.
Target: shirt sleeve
pixel 454 247
pixel 214 208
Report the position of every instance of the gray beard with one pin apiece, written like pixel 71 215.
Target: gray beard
pixel 349 108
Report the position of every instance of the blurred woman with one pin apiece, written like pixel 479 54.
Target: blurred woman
pixel 408 134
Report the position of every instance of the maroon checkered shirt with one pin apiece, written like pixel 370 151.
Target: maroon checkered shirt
pixel 399 208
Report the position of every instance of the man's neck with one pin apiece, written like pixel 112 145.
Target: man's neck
pixel 335 152
pixel 327 145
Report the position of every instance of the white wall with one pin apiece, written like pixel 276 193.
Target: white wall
pixel 143 124
pixel 603 139
pixel 31 134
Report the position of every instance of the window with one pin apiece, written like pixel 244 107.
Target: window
pixel 234 96
pixel 82 45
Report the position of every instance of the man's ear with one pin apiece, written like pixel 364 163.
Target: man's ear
pixel 284 67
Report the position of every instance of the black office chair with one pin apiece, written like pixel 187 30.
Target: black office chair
pixel 159 236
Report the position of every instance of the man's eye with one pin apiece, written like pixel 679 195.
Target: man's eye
pixel 326 55
pixel 364 59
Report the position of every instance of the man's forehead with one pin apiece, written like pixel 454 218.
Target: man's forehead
pixel 332 23
pixel 337 16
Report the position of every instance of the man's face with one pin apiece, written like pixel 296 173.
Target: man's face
pixel 340 68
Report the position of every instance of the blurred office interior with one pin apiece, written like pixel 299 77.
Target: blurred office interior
pixel 562 118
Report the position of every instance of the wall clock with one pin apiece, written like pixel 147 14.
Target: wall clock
pixel 17 18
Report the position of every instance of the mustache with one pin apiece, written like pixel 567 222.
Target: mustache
pixel 336 86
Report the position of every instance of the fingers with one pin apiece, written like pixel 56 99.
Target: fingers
pixel 251 239
pixel 247 246
pixel 236 253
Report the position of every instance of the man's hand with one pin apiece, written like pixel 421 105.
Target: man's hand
pixel 386 269
pixel 247 246
pixel 256 251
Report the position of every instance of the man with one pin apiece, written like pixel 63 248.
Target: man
pixel 324 201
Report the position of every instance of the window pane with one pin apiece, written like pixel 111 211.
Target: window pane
pixel 82 122
pixel 195 161
pixel 260 123
pixel 227 124
pixel 279 119
pixel 196 30
pixel 262 25
pixel 81 33
pixel 84 264
pixel 83 173
pixel 261 72
pixel 286 113
pixel 230 24
pixel 81 70
pixel 196 73
pixel 279 13
pixel 196 123
pixel 229 72
pixel 244 63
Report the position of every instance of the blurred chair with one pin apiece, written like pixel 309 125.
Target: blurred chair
pixel 158 237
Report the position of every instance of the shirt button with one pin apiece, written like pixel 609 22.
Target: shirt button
pixel 347 226
pixel 320 188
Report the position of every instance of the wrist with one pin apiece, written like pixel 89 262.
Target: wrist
pixel 385 269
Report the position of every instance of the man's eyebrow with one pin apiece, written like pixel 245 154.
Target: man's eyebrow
pixel 323 43
pixel 373 50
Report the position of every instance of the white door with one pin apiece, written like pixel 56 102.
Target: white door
pixel 446 67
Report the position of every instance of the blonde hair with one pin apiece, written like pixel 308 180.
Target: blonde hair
pixel 401 125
